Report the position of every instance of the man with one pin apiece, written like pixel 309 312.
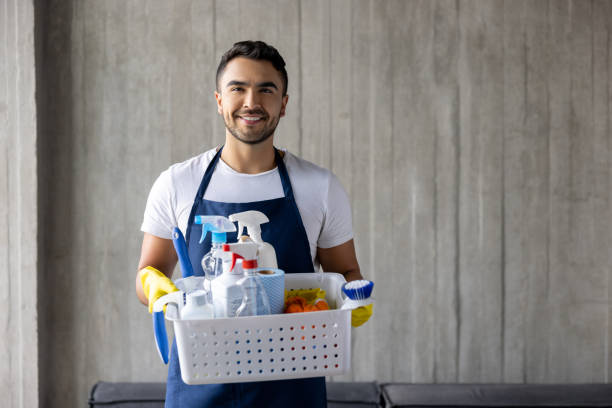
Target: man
pixel 309 212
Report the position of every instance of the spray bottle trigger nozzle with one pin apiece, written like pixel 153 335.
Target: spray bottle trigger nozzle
pixel 205 230
pixel 235 257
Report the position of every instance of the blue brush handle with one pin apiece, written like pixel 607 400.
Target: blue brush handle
pixel 161 337
pixel 181 250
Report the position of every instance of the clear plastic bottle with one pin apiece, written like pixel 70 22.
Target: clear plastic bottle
pixel 255 300
pixel 212 264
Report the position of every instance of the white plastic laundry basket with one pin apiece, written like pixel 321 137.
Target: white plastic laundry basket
pixel 273 347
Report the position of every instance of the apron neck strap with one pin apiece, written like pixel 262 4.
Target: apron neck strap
pixel 284 175
pixel 280 164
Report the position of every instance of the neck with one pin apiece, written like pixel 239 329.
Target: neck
pixel 248 159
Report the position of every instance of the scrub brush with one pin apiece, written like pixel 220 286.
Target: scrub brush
pixel 358 293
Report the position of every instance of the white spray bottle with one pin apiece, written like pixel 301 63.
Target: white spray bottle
pixel 252 220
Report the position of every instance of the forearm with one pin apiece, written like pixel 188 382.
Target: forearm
pixel 340 259
pixel 352 274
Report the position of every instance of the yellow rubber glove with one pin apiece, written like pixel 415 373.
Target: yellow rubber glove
pixel 361 315
pixel 155 285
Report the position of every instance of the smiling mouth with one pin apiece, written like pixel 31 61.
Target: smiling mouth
pixel 251 120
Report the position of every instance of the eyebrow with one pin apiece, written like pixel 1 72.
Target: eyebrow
pixel 268 84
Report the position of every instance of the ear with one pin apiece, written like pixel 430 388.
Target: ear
pixel 284 105
pixel 219 104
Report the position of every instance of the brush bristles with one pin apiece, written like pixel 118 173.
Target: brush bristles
pixel 358 290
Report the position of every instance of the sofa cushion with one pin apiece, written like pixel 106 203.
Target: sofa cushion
pixel 497 395
pixel 152 395
pixel 128 395
pixel 352 394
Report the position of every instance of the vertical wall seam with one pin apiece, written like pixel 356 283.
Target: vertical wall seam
pixel 593 103
pixel 388 37
pixel 213 136
pixel 352 32
pixel 523 130
pixel 607 332
pixel 503 213
pixel 549 171
pixel 436 145
pixel 350 90
pixel 458 201
pixel 301 79
pixel 19 206
pixel 371 161
pixel 10 243
pixel 330 111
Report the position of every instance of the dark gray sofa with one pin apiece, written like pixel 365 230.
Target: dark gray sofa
pixel 151 395
pixel 371 394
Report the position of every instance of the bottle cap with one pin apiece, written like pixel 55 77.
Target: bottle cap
pixel 219 237
pixel 197 297
pixel 249 264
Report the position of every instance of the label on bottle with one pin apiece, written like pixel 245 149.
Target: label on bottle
pixel 233 306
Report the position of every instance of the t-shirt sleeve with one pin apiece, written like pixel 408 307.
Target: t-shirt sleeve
pixel 159 216
pixel 337 225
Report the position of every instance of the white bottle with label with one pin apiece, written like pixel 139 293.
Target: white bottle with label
pixel 227 296
pixel 197 306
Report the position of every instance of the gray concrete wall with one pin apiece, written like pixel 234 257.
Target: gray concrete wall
pixel 18 206
pixel 472 136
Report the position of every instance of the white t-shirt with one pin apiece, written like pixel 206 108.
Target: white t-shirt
pixel 323 204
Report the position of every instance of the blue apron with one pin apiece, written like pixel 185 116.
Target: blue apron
pixel 286 233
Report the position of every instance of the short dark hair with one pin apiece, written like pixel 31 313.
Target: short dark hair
pixel 257 50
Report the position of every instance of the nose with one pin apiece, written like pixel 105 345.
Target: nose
pixel 250 99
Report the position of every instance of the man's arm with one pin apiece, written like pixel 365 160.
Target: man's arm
pixel 341 259
pixel 158 253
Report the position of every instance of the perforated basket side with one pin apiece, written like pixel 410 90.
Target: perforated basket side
pixel 262 348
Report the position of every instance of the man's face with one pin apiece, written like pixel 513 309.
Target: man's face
pixel 250 99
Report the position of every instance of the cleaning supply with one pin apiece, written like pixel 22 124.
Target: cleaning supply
pixel 156 285
pixel 189 282
pixel 266 258
pixel 174 302
pixel 197 306
pixel 299 304
pixel 273 281
pixel 227 295
pixel 358 292
pixel 181 251
pixel 219 226
pixel 255 299
pixel 305 300
pixel 359 299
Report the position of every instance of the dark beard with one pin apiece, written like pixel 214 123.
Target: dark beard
pixel 264 136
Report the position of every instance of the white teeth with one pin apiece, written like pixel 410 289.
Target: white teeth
pixel 249 118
